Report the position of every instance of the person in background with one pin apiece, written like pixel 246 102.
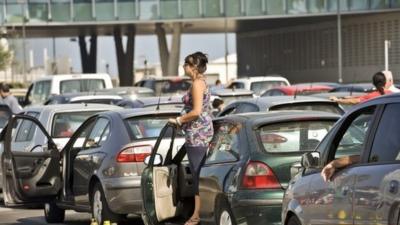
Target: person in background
pixel 378 80
pixel 390 82
pixel 9 99
pixel 218 86
pixel 218 105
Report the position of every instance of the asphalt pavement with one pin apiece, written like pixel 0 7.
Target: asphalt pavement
pixel 11 216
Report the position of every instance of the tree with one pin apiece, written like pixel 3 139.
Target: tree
pixel 5 57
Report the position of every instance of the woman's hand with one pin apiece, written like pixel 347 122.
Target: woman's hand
pixel 327 172
pixel 333 98
pixel 173 121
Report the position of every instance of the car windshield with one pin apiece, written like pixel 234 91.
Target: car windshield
pixel 293 136
pixel 260 86
pixel 323 107
pixel 144 127
pixel 66 123
pixel 81 85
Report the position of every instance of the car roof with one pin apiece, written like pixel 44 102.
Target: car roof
pixel 232 92
pixel 270 101
pixel 72 107
pixel 126 113
pixel 258 118
pixel 163 100
pixel 126 90
pixel 74 76
pixel 90 97
pixel 174 78
pixel 262 78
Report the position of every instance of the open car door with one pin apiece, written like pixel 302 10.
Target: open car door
pixel 166 186
pixel 31 173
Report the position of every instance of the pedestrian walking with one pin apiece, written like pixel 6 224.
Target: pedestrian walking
pixel 378 80
pixel 196 122
pixel 9 99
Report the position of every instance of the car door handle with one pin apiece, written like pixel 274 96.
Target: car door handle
pixel 394 186
pixel 345 190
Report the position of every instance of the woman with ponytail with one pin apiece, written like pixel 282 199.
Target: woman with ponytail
pixel 378 80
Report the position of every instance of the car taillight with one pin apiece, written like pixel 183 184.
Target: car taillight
pixel 258 175
pixel 134 153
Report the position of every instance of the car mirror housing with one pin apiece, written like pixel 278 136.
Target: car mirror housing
pixel 157 160
pixel 310 160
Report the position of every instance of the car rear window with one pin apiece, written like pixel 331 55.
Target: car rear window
pixel 66 123
pixel 144 127
pixel 323 107
pixel 260 86
pixel 81 85
pixel 293 136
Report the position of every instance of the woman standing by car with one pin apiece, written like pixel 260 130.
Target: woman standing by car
pixel 196 122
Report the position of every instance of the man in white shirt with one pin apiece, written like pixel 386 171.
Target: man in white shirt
pixel 389 81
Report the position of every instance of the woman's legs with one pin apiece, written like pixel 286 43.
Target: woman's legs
pixel 196 156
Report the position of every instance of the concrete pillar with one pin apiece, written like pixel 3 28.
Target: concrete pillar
pixel 125 58
pixel 173 62
pixel 163 47
pixel 88 59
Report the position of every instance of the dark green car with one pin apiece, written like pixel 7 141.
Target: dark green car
pixel 246 171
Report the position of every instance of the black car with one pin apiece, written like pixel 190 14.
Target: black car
pixel 357 87
pixel 274 103
pixel 365 192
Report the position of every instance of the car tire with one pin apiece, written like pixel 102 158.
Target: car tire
pixel 53 214
pixel 224 215
pixel 293 220
pixel 100 210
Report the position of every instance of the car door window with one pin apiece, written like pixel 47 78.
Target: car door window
pixel 26 128
pixel 98 135
pixel 224 146
pixel 386 145
pixel 40 92
pixel 353 139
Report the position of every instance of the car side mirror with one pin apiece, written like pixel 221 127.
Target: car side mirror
pixel 157 160
pixel 310 160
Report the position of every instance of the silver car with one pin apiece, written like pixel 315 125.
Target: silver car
pixel 60 121
pixel 101 165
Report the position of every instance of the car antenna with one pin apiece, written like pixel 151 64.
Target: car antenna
pixel 352 84
pixel 295 94
pixel 158 104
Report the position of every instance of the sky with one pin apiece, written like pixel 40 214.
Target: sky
pixel 146 48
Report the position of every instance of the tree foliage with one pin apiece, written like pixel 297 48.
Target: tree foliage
pixel 5 57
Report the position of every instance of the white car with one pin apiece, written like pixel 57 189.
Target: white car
pixel 41 89
pixel 259 84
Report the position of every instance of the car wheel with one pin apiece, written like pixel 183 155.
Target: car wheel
pixel 100 210
pixel 224 215
pixel 293 220
pixel 53 214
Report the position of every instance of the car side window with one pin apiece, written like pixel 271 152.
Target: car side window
pixel 386 145
pixel 354 138
pixel 26 129
pixel 224 147
pixel 98 134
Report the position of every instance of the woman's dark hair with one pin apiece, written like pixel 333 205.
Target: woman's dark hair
pixel 379 81
pixel 198 60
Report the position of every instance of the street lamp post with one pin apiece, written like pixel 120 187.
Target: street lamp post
pixel 23 9
pixel 339 31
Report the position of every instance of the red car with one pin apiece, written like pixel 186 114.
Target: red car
pixel 298 89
